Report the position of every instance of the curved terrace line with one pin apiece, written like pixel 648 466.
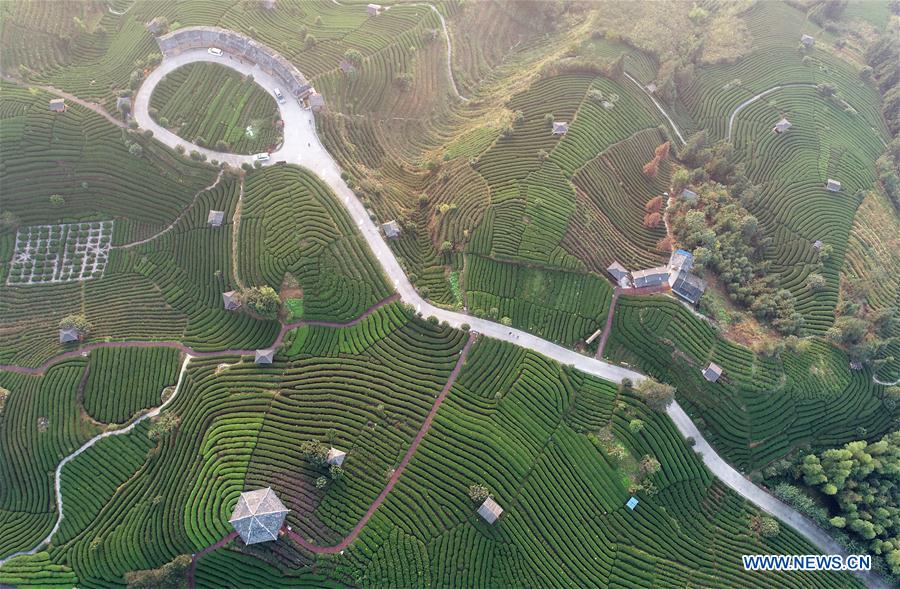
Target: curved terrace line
pixel 117 432
pixel 279 339
pixel 410 452
pixel 753 99
pixel 299 126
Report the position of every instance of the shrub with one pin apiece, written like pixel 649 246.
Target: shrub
pixel 172 575
pixel 478 493
pixel 316 453
pixel 57 200
pixel 78 322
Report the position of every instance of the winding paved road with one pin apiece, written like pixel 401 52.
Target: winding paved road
pixel 302 147
pixel 299 129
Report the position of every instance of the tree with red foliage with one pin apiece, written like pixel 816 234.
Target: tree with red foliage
pixel 651 168
pixel 662 151
pixel 654 205
pixel 652 220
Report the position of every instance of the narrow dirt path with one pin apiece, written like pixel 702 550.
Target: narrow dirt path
pixel 235 231
pixel 62 94
pixel 195 557
pixel 349 538
pixel 658 107
pixel 180 216
pixel 426 425
pixel 285 328
pixel 57 488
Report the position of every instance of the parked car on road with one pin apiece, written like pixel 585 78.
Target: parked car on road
pixel 215 51
pixel 261 157
pixel 279 96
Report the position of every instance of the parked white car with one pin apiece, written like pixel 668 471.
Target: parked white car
pixel 261 157
pixel 215 51
pixel 278 96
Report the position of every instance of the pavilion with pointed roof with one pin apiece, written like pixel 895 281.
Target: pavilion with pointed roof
pixel 258 516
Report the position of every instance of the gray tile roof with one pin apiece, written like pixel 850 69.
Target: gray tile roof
pixel 688 286
pixel 68 335
pixel 617 270
pixel 258 516
pixel 650 276
pixel 490 510
pixel 215 218
pixel 335 457
pixel 264 356
pixel 560 127
pixel 712 372
pixel 391 229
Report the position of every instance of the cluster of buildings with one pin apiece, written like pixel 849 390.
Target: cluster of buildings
pixel 676 274
pixel 243 47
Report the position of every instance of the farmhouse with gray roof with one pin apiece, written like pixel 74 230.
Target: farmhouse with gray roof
pixel 619 274
pixel 832 185
pixel 688 195
pixel 264 356
pixel 688 286
pixel 650 276
pixel 58 105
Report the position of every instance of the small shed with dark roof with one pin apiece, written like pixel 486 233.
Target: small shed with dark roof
pixel 712 372
pixel 782 126
pixel 58 105
pixel 490 511
pixel 688 195
pixel 832 185
pixel 391 229
pixel 231 300
pixel 215 218
pixel 123 104
pixel 264 356
pixel 560 127
pixel 69 335
pixel 335 457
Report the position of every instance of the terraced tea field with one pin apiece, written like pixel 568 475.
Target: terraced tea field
pixel 240 117
pixel 762 408
pixel 517 168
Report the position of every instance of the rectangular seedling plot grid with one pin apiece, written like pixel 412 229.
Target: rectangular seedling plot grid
pixel 65 252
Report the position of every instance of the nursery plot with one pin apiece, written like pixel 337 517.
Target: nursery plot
pixel 60 253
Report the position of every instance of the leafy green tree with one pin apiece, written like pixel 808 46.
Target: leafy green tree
pixel 656 394
pixel 263 300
